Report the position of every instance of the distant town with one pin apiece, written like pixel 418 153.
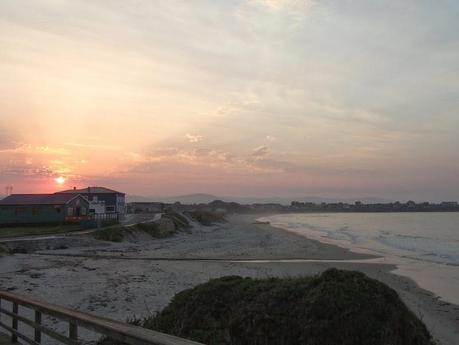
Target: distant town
pixel 295 206
pixel 91 205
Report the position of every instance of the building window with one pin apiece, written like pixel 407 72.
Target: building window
pixel 110 208
pixel 70 211
pixel 19 210
pixel 58 209
pixel 83 211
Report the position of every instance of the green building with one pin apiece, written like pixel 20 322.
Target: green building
pixel 43 209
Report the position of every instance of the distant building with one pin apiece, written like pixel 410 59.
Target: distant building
pixel 449 204
pixel 43 208
pixel 411 204
pixel 101 199
pixel 146 207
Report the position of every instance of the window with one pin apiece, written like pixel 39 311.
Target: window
pixel 83 211
pixel 58 209
pixel 110 208
pixel 70 211
pixel 19 210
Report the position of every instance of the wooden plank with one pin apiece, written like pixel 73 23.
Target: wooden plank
pixel 14 322
pixel 73 331
pixel 114 329
pixel 18 335
pixel 5 339
pixel 37 332
pixel 63 339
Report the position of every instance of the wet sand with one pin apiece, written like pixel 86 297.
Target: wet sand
pixel 102 278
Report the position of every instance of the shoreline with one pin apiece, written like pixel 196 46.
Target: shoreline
pixel 408 265
pixel 145 285
pixel 423 311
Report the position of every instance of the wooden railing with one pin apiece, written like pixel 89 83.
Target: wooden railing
pixel 116 330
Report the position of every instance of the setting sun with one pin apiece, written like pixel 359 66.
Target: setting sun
pixel 60 180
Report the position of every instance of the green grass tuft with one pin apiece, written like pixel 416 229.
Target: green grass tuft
pixel 4 250
pixel 118 233
pixel 113 234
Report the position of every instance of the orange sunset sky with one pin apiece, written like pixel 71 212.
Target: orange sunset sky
pixel 245 98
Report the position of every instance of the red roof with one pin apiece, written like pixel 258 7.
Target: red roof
pixel 37 199
pixel 91 190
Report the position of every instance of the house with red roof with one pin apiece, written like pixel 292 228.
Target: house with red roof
pixel 43 209
pixel 71 205
pixel 101 199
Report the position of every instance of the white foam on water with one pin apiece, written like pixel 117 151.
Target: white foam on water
pixel 424 246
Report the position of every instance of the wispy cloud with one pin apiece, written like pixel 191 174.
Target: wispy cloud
pixel 256 91
pixel 194 138
pixel 8 140
pixel 259 153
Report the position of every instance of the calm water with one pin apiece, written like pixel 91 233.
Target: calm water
pixel 425 246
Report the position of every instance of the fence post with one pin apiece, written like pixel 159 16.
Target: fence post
pixel 14 322
pixel 73 331
pixel 37 336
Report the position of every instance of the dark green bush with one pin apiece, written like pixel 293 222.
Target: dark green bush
pixel 179 220
pixel 4 250
pixel 118 233
pixel 334 308
pixel 112 234
pixel 206 218
pixel 149 228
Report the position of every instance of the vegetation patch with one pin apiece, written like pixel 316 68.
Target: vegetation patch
pixel 118 233
pixel 113 234
pixel 178 219
pixel 153 229
pixel 34 230
pixel 4 250
pixel 334 308
pixel 206 218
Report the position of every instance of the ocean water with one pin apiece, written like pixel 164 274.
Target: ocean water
pixel 424 246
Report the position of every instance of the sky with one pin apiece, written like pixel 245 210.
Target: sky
pixel 334 98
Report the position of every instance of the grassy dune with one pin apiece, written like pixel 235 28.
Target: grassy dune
pixel 335 308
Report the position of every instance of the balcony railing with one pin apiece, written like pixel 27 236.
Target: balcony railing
pixel 116 330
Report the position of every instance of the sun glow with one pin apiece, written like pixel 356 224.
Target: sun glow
pixel 60 180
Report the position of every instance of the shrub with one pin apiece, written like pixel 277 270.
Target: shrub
pixel 118 233
pixel 334 308
pixel 152 229
pixel 4 250
pixel 179 220
pixel 112 234
pixel 206 218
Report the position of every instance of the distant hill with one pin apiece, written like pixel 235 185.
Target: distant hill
pixel 198 198
pixel 202 198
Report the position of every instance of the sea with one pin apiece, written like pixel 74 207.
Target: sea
pixel 423 246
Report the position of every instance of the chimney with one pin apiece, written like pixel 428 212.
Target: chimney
pixel 74 188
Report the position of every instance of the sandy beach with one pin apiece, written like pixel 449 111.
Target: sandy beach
pixel 137 278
